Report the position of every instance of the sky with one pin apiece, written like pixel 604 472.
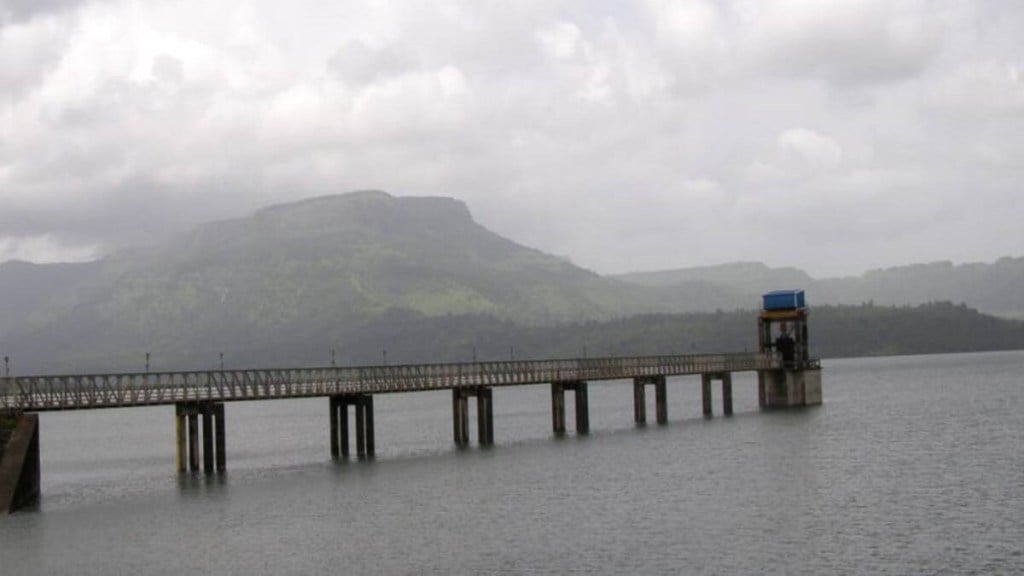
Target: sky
pixel 833 136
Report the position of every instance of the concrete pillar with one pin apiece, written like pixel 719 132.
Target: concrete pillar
pixel 343 426
pixel 193 441
pixel 490 417
pixel 705 392
pixel 332 402
pixel 460 416
pixel 727 393
pixel 368 422
pixel 180 435
pixel 582 408
pixel 457 417
pixel 207 438
pixel 639 401
pixel 661 400
pixel 360 431
pixel 762 395
pixel 558 407
pixel 221 428
pixel 464 418
pixel 485 416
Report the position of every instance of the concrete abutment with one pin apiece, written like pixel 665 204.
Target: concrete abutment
pixel 19 465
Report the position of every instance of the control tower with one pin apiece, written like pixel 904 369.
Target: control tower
pixel 782 332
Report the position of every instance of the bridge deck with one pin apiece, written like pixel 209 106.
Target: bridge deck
pixel 88 391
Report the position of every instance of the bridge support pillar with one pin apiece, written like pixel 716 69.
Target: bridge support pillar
pixel 484 415
pixel 705 391
pixel 193 442
pixel 640 399
pixel 727 393
pixel 221 429
pixel 186 415
pixel 365 442
pixel 582 406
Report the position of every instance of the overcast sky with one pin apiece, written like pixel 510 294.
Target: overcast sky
pixel 835 136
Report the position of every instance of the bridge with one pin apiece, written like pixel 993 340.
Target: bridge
pixel 90 391
pixel 202 394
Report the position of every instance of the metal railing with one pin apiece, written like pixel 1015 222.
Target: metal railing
pixel 85 391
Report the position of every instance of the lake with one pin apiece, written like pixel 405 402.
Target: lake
pixel 913 465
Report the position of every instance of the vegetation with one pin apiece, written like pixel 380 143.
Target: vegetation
pixel 992 288
pixel 366 272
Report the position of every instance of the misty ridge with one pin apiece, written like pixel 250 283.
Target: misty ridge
pixel 368 275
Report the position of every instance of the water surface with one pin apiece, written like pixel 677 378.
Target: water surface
pixel 914 465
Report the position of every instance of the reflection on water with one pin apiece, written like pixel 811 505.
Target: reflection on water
pixel 912 465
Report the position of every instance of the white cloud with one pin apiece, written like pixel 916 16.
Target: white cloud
pixel 557 122
pixel 811 146
pixel 981 89
pixel 561 41
pixel 849 43
pixel 44 248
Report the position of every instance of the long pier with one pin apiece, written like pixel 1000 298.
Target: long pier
pixel 199 397
pixel 90 391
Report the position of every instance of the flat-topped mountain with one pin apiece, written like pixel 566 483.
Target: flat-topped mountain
pixel 308 271
pixel 363 272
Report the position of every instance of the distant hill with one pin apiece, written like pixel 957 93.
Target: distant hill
pixel 366 272
pixel 315 269
pixel 996 288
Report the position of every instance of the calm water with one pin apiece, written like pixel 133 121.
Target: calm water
pixel 914 465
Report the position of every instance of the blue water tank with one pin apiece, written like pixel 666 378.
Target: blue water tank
pixel 784 300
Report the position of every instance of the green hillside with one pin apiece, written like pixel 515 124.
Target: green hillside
pixel 324 267
pixel 993 288
pixel 366 272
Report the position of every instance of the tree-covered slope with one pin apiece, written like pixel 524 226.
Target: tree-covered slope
pixel 366 272
pixel 994 288
pixel 312 269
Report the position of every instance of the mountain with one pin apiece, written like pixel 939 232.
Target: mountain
pixel 992 288
pixel 996 288
pixel 27 287
pixel 374 277
pixel 304 275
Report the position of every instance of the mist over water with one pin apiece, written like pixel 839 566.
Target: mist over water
pixel 912 465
